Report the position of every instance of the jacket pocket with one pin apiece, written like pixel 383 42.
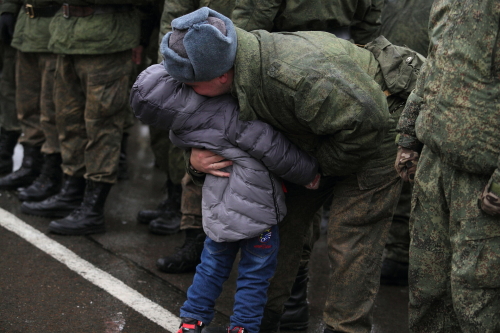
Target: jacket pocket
pixel 400 65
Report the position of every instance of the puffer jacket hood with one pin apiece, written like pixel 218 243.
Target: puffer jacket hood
pixel 249 201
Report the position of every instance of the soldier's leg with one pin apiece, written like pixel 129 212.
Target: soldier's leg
pixel 69 99
pixel 395 265
pixel 10 129
pixel 169 219
pixel 104 81
pixel 360 218
pixel 188 256
pixel 454 283
pixel 296 312
pixel 302 205
pixel 29 69
pixel 50 179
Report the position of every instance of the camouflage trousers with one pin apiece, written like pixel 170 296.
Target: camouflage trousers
pixel 454 252
pixel 35 100
pixel 91 110
pixel 169 158
pixel 398 242
pixel 190 204
pixel 360 217
pixel 8 114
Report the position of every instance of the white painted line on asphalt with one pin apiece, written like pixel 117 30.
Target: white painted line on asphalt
pixel 100 278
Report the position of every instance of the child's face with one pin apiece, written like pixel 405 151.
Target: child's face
pixel 215 87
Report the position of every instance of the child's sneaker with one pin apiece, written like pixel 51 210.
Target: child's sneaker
pixel 190 325
pixel 236 329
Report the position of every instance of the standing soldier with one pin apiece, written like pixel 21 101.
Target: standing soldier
pixel 452 120
pixel 34 100
pixel 404 22
pixel 9 125
pixel 95 45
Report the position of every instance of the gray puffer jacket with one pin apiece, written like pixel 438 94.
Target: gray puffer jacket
pixel 251 200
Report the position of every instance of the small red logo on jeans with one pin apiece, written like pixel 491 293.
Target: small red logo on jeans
pixel 263 246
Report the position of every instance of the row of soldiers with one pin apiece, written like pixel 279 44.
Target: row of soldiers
pixel 73 69
pixel 88 56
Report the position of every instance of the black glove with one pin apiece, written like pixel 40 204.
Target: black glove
pixel 7 24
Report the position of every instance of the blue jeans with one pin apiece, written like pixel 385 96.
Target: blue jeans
pixel 257 265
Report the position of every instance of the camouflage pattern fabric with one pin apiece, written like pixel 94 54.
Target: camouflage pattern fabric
pixel 91 99
pixel 311 15
pixel 308 108
pixel 455 252
pixel 405 22
pixel 190 204
pixel 31 34
pixel 169 158
pixel 455 248
pixel 356 239
pixel 95 34
pixel 8 113
pixel 34 100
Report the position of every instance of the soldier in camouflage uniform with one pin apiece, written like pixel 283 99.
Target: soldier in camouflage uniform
pixel 454 114
pixel 188 255
pixel 95 45
pixel 9 125
pixel 327 96
pixel 404 22
pixel 35 69
pixel 358 21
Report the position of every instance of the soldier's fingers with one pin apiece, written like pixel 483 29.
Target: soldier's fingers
pixel 219 173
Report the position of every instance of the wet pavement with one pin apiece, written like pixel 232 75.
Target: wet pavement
pixel 39 294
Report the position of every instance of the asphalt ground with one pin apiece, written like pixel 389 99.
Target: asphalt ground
pixel 109 282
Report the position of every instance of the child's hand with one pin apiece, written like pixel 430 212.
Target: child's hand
pixel 315 183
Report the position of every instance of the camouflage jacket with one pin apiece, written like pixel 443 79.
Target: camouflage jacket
pixel 96 34
pixel 323 93
pixel 176 8
pixel 363 16
pixel 455 107
pixel 405 22
pixel 30 34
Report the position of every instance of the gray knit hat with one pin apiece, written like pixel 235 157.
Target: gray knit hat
pixel 201 46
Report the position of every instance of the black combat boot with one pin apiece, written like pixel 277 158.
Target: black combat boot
pixel 89 217
pixel 168 208
pixel 48 183
pixel 122 162
pixel 8 141
pixel 61 204
pixel 296 314
pixel 236 329
pixel 187 256
pixel 189 325
pixel 270 322
pixel 169 221
pixel 27 173
pixel 394 273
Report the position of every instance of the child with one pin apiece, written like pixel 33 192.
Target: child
pixel 240 212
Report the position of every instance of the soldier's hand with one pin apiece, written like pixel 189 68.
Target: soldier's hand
pixel 208 162
pixel 7 24
pixel 490 201
pixel 406 163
